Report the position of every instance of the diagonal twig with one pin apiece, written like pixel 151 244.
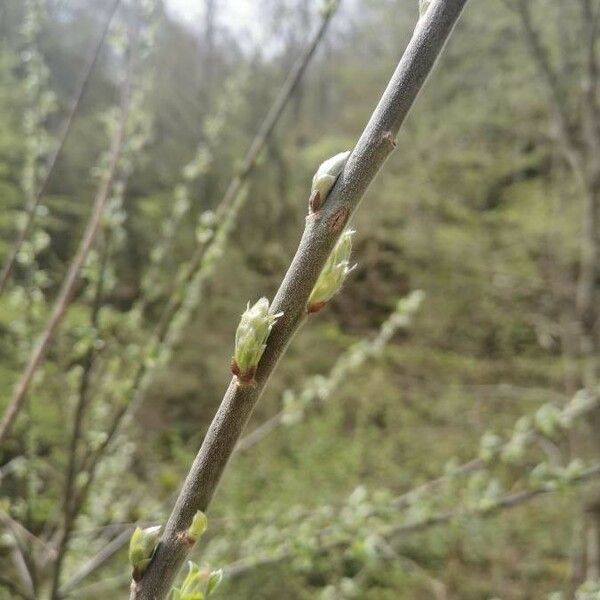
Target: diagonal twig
pixel 320 235
pixel 71 279
pixel 62 138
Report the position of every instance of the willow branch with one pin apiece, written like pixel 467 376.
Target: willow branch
pixel 69 284
pixel 62 138
pixel 21 560
pixel 321 233
pixel 505 502
pixel 164 332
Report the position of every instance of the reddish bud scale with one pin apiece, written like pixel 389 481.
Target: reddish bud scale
pixel 186 539
pixel 243 378
pixel 315 202
pixel 315 307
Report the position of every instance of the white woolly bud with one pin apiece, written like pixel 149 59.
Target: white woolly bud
pixel 325 178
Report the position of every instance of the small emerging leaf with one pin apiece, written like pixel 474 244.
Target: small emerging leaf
pixel 198 526
pixel 333 274
pixel 250 339
pixel 141 548
pixel 214 581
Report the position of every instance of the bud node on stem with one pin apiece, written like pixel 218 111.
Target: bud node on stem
pixel 251 340
pixel 325 178
pixel 388 138
pixel 186 539
pixel 339 219
pixel 315 307
pixel 314 202
pixel 246 378
pixel 333 274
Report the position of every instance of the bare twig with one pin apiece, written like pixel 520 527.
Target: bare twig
pixel 14 589
pixel 20 558
pixel 590 243
pixel 72 277
pixel 62 138
pixel 95 562
pixel 321 233
pixel 69 510
pixel 556 95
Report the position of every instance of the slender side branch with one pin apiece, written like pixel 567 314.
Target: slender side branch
pixel 62 138
pixel 95 562
pixel 590 242
pixel 506 502
pixel 14 589
pixel 322 230
pixel 556 96
pixel 72 277
pixel 69 512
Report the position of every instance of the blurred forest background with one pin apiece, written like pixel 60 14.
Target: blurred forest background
pixel 481 207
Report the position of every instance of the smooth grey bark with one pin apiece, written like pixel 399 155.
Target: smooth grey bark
pixel 320 234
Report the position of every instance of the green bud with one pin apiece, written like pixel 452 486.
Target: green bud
pixel 250 339
pixel 540 475
pixel 523 424
pixel 198 526
pixel 198 584
pixel 141 549
pixel 214 581
pixel 548 420
pixel 514 451
pixel 333 274
pixel 328 7
pixel 489 447
pixel 574 470
pixel 325 178
pixel 581 403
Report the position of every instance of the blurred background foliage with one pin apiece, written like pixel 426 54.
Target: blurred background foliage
pixel 475 207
